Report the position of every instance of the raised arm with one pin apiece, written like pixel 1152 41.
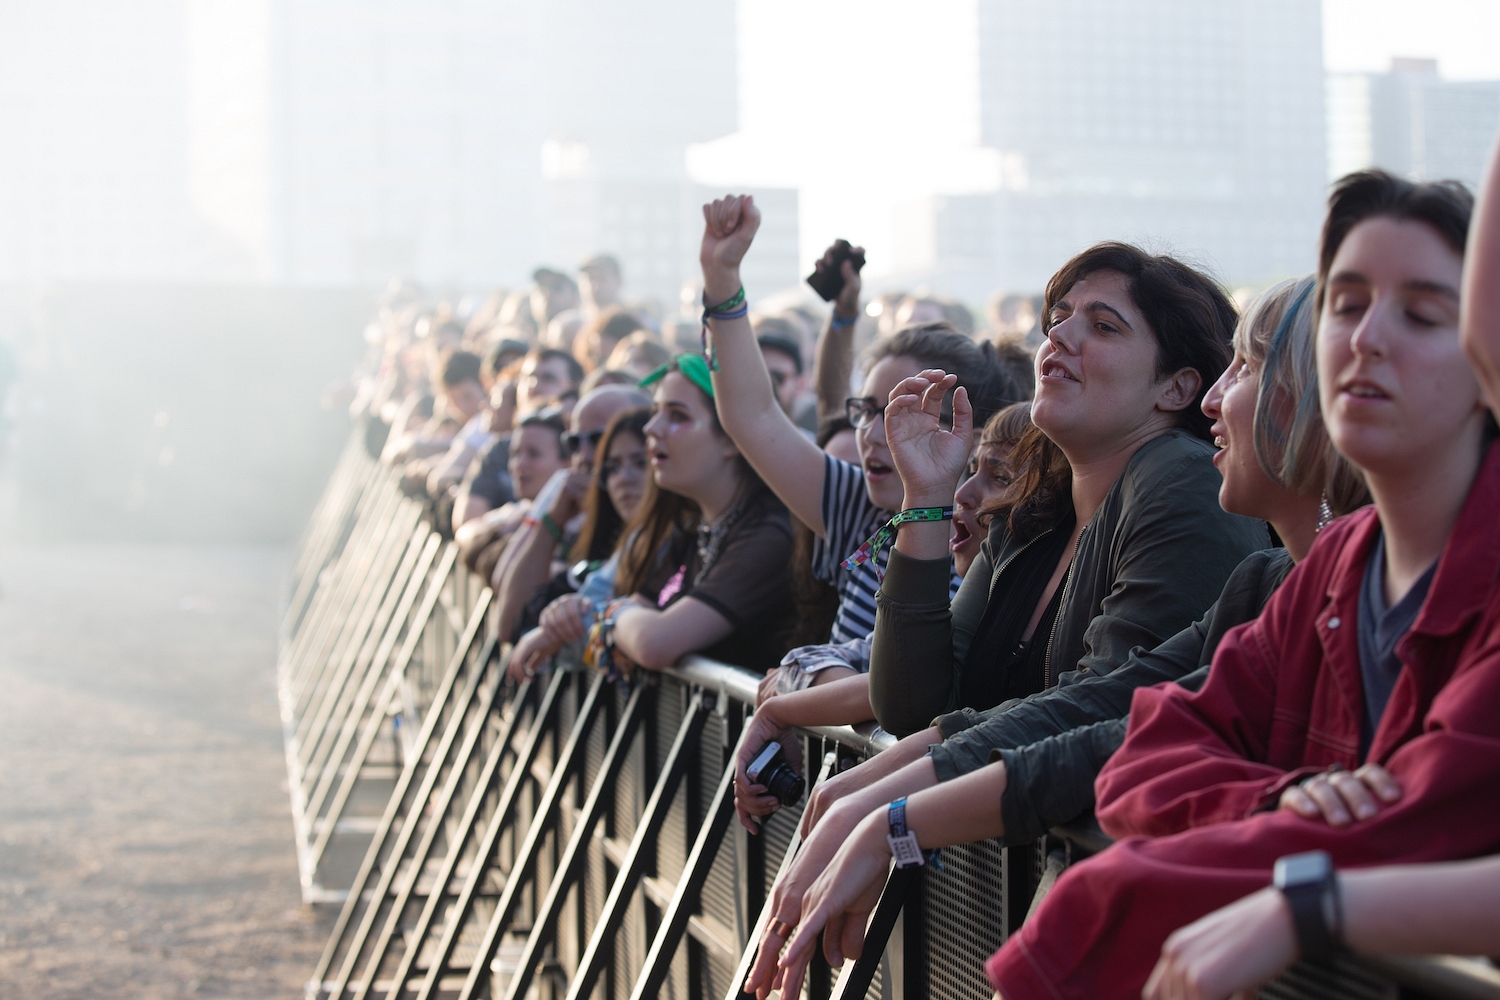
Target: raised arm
pixel 835 358
pixel 789 463
pixel 1479 327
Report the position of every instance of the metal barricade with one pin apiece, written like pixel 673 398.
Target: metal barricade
pixel 568 837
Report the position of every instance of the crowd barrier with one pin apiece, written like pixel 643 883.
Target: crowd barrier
pixel 568 837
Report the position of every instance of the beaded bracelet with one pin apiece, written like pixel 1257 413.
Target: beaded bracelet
pixel 872 546
pixel 734 307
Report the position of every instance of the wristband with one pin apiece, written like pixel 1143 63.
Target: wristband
pixel 872 545
pixel 839 323
pixel 734 307
pixel 552 528
pixel 905 850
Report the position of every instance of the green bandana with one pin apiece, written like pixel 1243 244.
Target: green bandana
pixel 692 366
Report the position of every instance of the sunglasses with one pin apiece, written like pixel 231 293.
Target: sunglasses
pixel 573 440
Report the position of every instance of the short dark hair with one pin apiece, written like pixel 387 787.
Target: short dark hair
pixel 461 366
pixel 1190 314
pixel 502 353
pixel 550 418
pixel 575 370
pixel 939 345
pixel 1445 206
pixel 782 345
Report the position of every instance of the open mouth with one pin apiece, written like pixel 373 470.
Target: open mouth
pixel 874 468
pixel 961 535
pixel 1365 390
pixel 1052 369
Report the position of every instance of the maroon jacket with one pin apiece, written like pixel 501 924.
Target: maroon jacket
pixel 1195 785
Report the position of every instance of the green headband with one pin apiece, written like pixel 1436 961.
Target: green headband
pixel 692 366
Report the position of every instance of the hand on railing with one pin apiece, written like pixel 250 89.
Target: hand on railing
pixel 928 458
pixel 1234 948
pixel 787 895
pixel 750 798
pixel 839 787
pixel 534 649
pixel 837 904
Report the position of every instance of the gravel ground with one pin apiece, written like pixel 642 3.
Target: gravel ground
pixel 145 840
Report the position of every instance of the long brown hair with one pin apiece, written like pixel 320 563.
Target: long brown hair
pixel 602 523
pixel 662 511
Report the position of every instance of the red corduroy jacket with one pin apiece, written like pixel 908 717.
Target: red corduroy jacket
pixel 1195 785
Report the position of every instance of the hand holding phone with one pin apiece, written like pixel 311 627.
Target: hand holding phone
pixel 827 278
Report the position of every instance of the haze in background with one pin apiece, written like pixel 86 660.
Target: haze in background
pixel 200 198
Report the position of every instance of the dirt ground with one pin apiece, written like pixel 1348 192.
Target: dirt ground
pixel 145 840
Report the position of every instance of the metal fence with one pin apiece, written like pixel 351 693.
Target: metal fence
pixel 568 837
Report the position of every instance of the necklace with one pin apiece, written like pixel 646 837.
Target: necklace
pixel 711 536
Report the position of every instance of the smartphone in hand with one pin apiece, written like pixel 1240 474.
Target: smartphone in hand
pixel 827 278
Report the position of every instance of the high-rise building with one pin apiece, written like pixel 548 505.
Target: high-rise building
pixel 1189 127
pixel 1412 122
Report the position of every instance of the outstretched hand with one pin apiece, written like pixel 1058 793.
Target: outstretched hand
pixel 729 228
pixel 928 458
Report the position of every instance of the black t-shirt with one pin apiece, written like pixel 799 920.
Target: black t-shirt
pixel 488 476
pixel 750 584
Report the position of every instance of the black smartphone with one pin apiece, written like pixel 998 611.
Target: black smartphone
pixel 827 278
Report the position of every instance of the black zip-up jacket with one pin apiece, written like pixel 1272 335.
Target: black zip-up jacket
pixel 1148 564
pixel 1055 743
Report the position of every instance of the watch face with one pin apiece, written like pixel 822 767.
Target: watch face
pixel 1303 869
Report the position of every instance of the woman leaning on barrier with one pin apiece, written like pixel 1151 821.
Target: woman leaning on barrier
pixel 1358 718
pixel 1023 767
pixel 705 565
pixel 565 607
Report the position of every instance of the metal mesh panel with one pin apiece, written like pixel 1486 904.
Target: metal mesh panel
pixel 962 916
pixel 777 831
pixel 1339 979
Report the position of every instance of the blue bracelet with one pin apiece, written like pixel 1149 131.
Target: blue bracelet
pixel 841 324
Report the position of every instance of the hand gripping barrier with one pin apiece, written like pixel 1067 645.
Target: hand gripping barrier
pixel 567 837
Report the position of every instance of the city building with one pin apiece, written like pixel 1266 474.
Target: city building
pixel 1412 122
pixel 1185 127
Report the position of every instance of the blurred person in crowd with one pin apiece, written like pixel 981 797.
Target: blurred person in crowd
pixel 552 292
pixel 931 309
pixel 480 432
pixel 463 396
pixel 706 560
pixel 1015 317
pixel 1018 363
pixel 1355 721
pixel 599 284
pixel 562 331
pixel 1024 767
pixel 516 316
pixel 536 452
pixel 606 376
pixel 639 354
pixel 558 515
pixel 602 334
pixel 556 615
pixel 781 348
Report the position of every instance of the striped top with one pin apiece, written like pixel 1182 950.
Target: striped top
pixel 848 519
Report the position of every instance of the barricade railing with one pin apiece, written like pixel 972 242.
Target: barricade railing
pixel 569 837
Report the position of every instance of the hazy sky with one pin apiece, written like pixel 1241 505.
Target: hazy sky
pixel 865 104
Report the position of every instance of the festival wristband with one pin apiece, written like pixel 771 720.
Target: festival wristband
pixel 872 546
pixel 905 850
pixel 734 307
pixel 839 323
pixel 552 528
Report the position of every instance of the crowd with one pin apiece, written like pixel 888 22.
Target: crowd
pixel 1225 579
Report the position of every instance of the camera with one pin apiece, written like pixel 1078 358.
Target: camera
pixel 770 768
pixel 827 278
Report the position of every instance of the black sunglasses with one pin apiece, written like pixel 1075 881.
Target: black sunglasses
pixel 573 440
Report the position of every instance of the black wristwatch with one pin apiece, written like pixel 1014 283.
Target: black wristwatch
pixel 1311 889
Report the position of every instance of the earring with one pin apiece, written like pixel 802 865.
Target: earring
pixel 1325 514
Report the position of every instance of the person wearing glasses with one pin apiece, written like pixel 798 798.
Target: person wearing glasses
pixel 554 520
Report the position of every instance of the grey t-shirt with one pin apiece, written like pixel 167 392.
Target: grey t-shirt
pixel 1380 628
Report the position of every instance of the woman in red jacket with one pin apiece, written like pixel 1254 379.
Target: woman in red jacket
pixel 1368 689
